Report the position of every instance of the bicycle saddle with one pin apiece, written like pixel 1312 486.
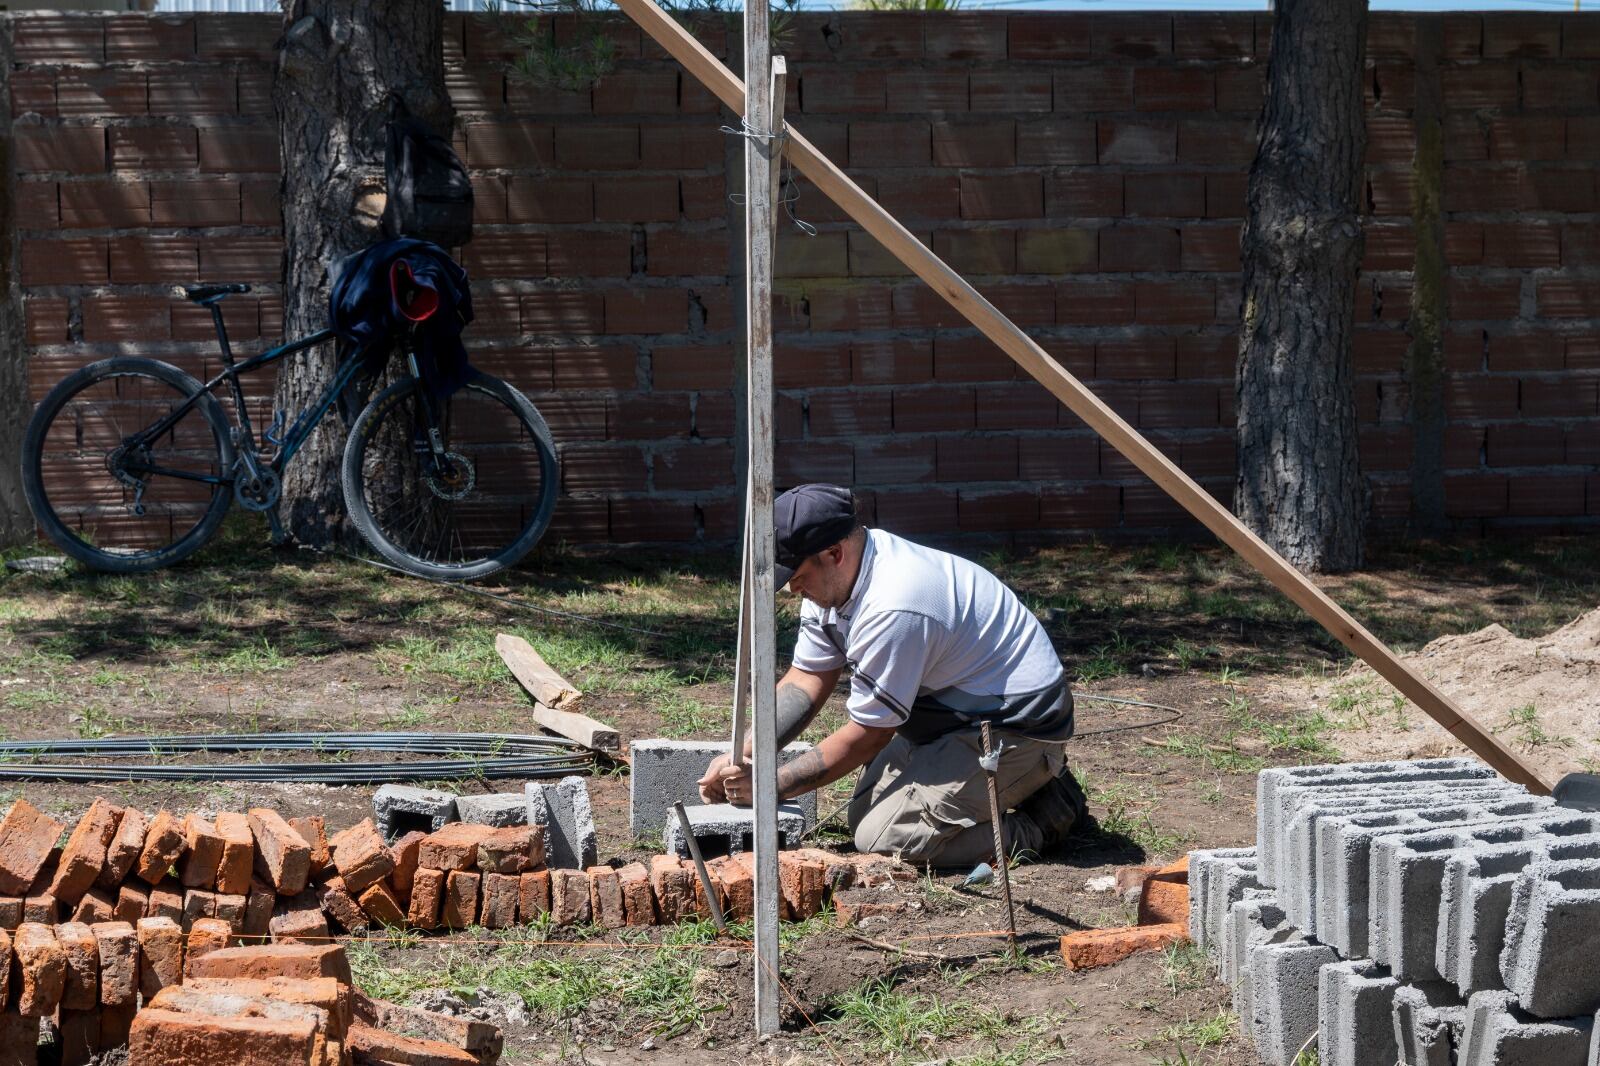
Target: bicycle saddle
pixel 207 292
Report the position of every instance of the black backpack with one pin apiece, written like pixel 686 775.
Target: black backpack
pixel 430 195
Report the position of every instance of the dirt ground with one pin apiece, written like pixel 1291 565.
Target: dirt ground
pixel 1238 678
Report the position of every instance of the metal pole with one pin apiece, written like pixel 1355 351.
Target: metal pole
pixel 991 766
pixel 700 867
pixel 758 163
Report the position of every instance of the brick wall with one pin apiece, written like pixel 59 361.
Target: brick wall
pixel 1087 172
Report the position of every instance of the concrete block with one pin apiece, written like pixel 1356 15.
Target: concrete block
pixel 1253 921
pixel 1551 959
pixel 1284 997
pixel 665 772
pixel 1475 901
pixel 1498 1033
pixel 1205 868
pixel 1297 853
pixel 1344 859
pixel 1356 1014
pixel 563 809
pixel 1428 1023
pixel 1406 884
pixel 1229 885
pixel 398 809
pixel 500 809
pixel 1278 789
pixel 723 829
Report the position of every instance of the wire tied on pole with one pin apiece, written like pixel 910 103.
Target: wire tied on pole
pixel 790 194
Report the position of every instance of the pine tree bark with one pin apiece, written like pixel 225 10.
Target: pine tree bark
pixel 338 64
pixel 1300 485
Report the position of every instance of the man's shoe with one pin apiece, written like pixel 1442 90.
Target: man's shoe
pixel 1059 809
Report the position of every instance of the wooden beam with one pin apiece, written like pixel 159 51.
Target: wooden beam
pixel 546 687
pixel 900 242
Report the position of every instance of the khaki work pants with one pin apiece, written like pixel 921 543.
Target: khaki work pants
pixel 929 803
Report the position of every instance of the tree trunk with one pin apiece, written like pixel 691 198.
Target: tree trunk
pixel 1300 484
pixel 16 524
pixel 338 64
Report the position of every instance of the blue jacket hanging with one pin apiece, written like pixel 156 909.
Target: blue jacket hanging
pixel 400 285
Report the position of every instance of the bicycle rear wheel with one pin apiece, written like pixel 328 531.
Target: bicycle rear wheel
pixel 478 512
pixel 112 496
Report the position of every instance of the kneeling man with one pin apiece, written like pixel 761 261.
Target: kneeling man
pixel 935 645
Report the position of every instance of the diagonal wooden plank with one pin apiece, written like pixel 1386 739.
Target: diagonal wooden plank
pixel 838 187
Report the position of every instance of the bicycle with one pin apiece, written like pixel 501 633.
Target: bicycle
pixel 452 488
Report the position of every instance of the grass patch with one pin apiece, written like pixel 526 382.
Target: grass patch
pixel 1194 1035
pixel 1124 811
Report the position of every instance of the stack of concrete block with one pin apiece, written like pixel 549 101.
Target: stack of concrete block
pixel 560 809
pixel 664 772
pixel 1414 912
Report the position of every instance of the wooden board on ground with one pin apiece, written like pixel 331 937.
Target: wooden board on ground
pixel 545 685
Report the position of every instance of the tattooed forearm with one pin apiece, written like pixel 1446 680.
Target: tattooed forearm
pixel 795 711
pixel 802 774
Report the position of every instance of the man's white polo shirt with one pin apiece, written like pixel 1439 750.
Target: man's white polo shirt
pixel 925 623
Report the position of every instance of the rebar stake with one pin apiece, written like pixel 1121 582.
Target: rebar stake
pixel 700 867
pixel 991 766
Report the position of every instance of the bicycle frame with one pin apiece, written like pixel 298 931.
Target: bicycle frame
pixel 304 424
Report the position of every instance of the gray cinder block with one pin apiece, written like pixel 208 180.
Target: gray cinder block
pixel 563 809
pixel 665 772
pixel 399 809
pixel 1428 1023
pixel 1278 789
pixel 723 829
pixel 1253 921
pixel 1551 959
pixel 1344 860
pixel 1356 1014
pixel 1205 869
pixel 1475 902
pixel 1283 995
pixel 497 809
pixel 1499 1034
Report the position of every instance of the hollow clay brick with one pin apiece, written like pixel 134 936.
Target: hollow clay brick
pixel 299 917
pixel 282 855
pixel 82 953
pixel 378 1045
pixel 123 851
pixel 301 962
pixel 1091 948
pixel 41 909
pixel 638 901
pixel 202 853
pixel 314 831
pixel 800 883
pixel 605 898
pixel 238 858
pixel 43 966
pixel 1162 902
pixel 232 909
pixel 207 935
pixel 460 899
pixel 455 847
pixel 258 910
pixel 362 858
pixel 117 946
pixel 533 895
pixel 27 837
pixel 379 904
pixel 569 897
pixel 163 846
pixel 160 954
pixel 738 885
pixel 10 912
pixel 325 993
pixel 427 897
pixel 499 901
pixel 197 904
pixel 342 907
pixel 85 852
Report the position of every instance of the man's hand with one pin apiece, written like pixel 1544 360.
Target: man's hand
pixel 714 788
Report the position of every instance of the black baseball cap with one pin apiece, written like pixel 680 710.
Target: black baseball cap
pixel 805 520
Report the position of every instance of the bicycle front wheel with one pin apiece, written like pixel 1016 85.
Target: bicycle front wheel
pixel 125 465
pixel 473 513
